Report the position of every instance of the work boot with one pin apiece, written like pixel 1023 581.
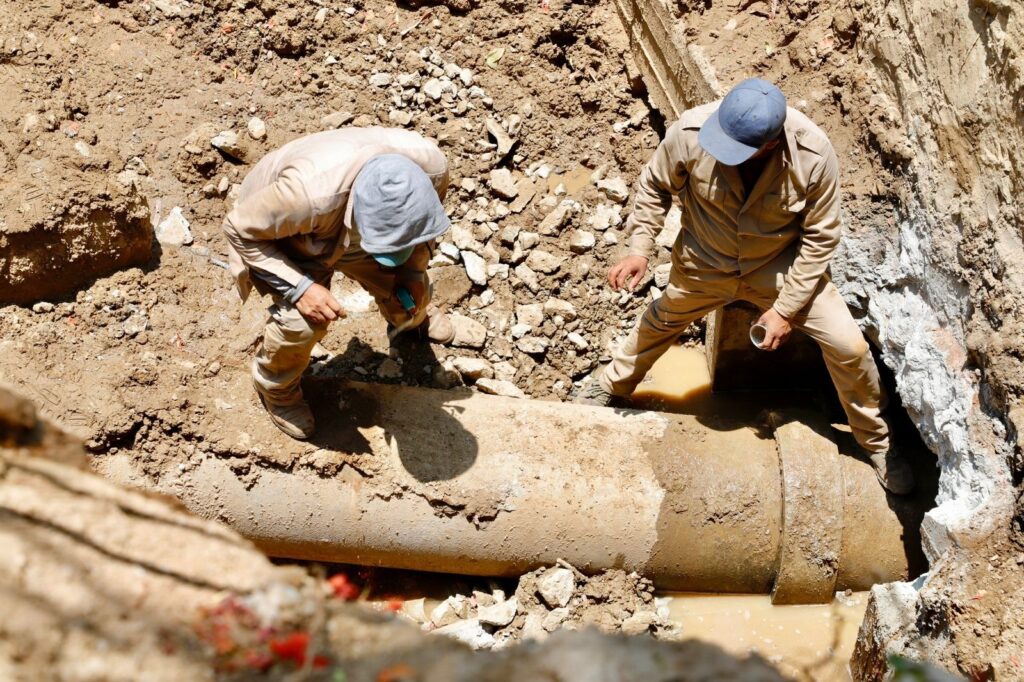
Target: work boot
pixel 294 418
pixel 439 326
pixel 893 471
pixel 593 394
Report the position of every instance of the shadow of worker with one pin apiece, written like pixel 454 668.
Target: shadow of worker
pixel 420 426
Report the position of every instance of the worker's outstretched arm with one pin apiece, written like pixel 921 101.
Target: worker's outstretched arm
pixel 818 240
pixel 661 179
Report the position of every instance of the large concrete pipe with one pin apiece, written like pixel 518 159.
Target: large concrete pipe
pixel 468 483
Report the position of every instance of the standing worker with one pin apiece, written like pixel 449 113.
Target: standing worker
pixel 363 201
pixel 759 186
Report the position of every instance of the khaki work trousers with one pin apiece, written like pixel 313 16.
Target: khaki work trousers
pixel 289 338
pixel 693 292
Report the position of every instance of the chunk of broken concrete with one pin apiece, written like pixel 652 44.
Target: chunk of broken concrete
pixel 556 586
pixel 615 189
pixel 257 128
pixel 581 241
pixel 229 143
pixel 476 267
pixel 174 230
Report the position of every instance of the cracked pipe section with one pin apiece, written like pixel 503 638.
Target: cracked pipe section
pixel 495 486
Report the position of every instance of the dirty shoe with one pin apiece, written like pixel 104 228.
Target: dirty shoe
pixel 439 326
pixel 893 471
pixel 593 394
pixel 295 419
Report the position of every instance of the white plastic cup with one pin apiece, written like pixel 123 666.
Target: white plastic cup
pixel 757 334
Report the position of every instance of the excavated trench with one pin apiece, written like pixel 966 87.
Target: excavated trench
pixel 727 492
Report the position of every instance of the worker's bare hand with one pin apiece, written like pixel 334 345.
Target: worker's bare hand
pixel 777 329
pixel 319 306
pixel 628 272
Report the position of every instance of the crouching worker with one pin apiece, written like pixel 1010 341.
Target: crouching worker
pixel 759 185
pixel 363 201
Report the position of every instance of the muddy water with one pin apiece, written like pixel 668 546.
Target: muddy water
pixel 813 641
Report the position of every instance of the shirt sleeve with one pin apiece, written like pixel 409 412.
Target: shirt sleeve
pixel 661 179
pixel 818 239
pixel 279 210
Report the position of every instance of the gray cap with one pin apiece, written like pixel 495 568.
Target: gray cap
pixel 752 114
pixel 395 205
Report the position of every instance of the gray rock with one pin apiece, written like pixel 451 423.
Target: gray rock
pixel 556 306
pixel 556 586
pixel 528 277
pixel 605 216
pixel 380 80
pixel 174 230
pixel 400 117
pixel 450 250
pixel 528 240
pixel 533 627
pixel 555 220
pixel 503 184
pixel 542 261
pixel 554 619
pixel 135 324
pixel 228 142
pixel 518 331
pixel 499 387
pixel 476 267
pixel 449 611
pixel 473 368
pixel 639 623
pixel 42 307
pixel 499 614
pixel 576 339
pixel 433 89
pixel 257 128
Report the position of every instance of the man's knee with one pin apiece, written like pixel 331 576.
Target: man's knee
pixel 293 329
pixel 849 348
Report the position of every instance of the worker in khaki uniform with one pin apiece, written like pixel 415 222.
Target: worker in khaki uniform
pixel 759 186
pixel 362 201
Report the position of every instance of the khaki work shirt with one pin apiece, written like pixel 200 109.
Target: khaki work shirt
pixel 294 205
pixel 795 203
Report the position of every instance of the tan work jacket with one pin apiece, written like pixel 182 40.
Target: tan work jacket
pixel 795 203
pixel 293 205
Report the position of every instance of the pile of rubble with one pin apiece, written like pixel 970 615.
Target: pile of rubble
pixel 546 600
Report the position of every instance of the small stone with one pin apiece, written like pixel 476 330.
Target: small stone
pixel 528 240
pixel 468 185
pixel 581 241
pixel 553 222
pixel 554 618
pixel 639 623
pixel 450 611
pixel 520 330
pixel 504 141
pixel 337 119
pixel 662 273
pixel 615 189
pixel 414 610
pixel 135 325
pixel 503 184
pixel 510 234
pixel 556 306
pixel 320 17
pixel 224 185
pixel 533 345
pixel 468 332
pixel 83 149
pixel 473 368
pixel 500 614
pixel 605 216
pixel 228 142
pixel 576 339
pixel 174 230
pixel 257 128
pixel 528 277
pixel 476 267
pixel 433 89
pixel 400 117
pixel 469 632
pixel 389 369
pixel 499 387
pixel 530 314
pixel 542 261
pixel 42 307
pixel 556 586
pixel 380 80
pixel 533 627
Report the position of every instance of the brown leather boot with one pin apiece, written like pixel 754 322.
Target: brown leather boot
pixel 439 326
pixel 294 418
pixel 893 471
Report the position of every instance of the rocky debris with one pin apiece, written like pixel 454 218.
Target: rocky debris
pixel 498 614
pixel 530 315
pixel 554 222
pixel 469 632
pixel 42 307
pixel 533 345
pixel 337 119
pixel 555 586
pixel 556 307
pixel 500 387
pixel 449 611
pixel 503 184
pixel 615 189
pixel 606 216
pixel 468 332
pixel 174 230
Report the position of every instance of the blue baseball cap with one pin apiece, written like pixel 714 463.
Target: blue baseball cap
pixel 394 259
pixel 751 115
